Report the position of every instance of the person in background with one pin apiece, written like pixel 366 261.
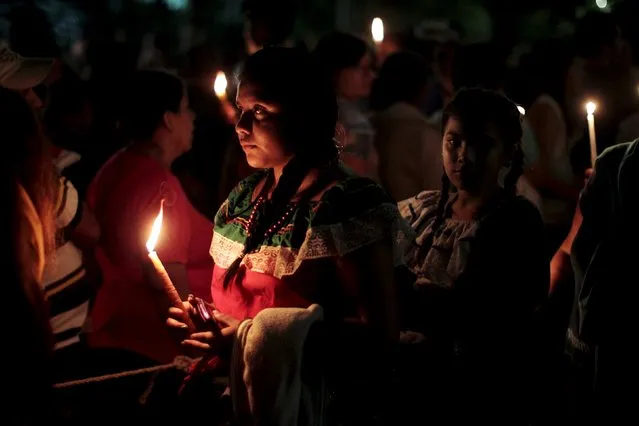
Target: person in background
pixel 349 62
pixel 480 265
pixel 127 194
pixel 268 23
pixel 68 120
pixel 66 286
pixel 441 91
pixel 601 71
pixel 409 147
pixel 304 230
pixel 484 65
pixel 552 176
pixel 600 246
pixel 28 187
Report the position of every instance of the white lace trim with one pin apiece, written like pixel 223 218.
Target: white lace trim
pixel 321 242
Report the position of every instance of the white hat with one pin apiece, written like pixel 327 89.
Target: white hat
pixel 20 73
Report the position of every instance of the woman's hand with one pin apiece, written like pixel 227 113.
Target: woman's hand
pixel 218 336
pixel 212 335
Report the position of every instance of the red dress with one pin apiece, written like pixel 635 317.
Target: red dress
pixel 125 197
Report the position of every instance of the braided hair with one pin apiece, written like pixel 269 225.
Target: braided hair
pixel 291 78
pixel 478 107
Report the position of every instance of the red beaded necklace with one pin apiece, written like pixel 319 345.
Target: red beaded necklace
pixel 250 226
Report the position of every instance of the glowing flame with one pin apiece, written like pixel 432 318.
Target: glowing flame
pixel 591 107
pixel 521 109
pixel 377 29
pixel 155 230
pixel 220 84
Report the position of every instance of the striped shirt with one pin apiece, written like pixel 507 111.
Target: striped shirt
pixel 65 284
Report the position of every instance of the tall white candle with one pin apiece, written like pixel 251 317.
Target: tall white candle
pixel 590 110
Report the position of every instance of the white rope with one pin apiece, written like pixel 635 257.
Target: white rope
pixel 179 363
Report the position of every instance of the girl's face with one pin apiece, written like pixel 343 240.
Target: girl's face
pixel 261 128
pixel 473 157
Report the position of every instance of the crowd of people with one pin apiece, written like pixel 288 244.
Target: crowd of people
pixel 375 243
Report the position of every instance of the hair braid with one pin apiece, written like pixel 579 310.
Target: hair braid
pixel 290 181
pixel 440 215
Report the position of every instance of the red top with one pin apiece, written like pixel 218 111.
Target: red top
pixel 125 196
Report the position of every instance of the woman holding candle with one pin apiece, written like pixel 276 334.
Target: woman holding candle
pixel 126 196
pixel 303 230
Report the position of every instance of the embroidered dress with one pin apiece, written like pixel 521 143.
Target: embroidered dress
pixel 292 267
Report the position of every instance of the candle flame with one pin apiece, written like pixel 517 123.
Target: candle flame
pixel 377 29
pixel 521 109
pixel 155 230
pixel 591 107
pixel 220 84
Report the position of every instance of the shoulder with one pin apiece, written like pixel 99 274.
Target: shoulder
pixel 355 213
pixel 350 197
pixel 613 156
pixel 422 203
pixel 240 197
pixel 614 166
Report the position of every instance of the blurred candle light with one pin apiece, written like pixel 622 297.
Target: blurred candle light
pixel 601 4
pixel 377 30
pixel 591 107
pixel 521 109
pixel 220 84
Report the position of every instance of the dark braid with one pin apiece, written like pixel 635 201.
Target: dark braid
pixel 440 216
pixel 290 181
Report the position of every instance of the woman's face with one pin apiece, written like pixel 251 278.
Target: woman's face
pixel 260 128
pixel 354 83
pixel 472 158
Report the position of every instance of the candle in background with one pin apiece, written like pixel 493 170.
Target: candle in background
pixel 590 110
pixel 220 84
pixel 160 271
pixel 377 31
pixel 521 109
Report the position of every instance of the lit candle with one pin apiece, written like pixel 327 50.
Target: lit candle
pixel 377 30
pixel 590 110
pixel 161 274
pixel 521 109
pixel 220 84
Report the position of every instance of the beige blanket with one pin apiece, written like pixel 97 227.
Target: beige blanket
pixel 266 382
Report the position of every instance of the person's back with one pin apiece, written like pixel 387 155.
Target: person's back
pixel 603 255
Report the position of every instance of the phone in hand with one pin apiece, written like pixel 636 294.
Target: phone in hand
pixel 204 312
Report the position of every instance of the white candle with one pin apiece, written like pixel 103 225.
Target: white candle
pixel 590 110
pixel 160 272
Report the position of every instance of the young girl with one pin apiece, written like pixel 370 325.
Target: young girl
pixel 479 255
